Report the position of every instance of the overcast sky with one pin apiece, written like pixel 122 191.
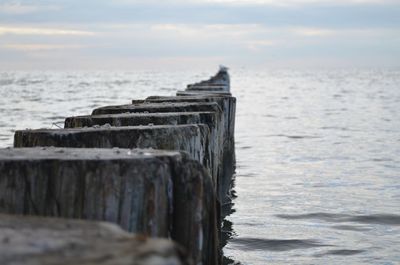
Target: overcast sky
pixel 130 34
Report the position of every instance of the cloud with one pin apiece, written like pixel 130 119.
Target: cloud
pixel 314 32
pixel 278 3
pixel 16 8
pixel 204 31
pixel 41 31
pixel 39 47
pixel 162 33
pixel 307 13
pixel 254 36
pixel 183 30
pixel 257 45
pixel 289 3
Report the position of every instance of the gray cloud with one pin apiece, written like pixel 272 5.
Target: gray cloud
pixel 289 32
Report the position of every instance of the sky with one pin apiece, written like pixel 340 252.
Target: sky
pixel 181 34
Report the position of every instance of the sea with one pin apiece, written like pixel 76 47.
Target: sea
pixel 318 153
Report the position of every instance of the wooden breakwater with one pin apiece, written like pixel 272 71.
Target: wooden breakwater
pixel 78 172
pixel 49 241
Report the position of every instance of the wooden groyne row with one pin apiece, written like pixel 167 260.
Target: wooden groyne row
pixel 159 167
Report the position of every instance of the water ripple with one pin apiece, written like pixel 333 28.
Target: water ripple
pixel 294 137
pixel 382 219
pixel 340 252
pixel 276 244
pixel 350 228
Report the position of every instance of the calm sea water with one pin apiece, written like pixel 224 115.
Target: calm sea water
pixel 318 153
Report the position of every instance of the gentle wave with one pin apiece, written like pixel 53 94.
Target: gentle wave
pixel 276 244
pixel 383 219
pixel 324 144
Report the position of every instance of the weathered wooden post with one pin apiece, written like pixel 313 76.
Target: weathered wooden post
pixel 218 82
pixel 151 192
pixel 212 119
pixel 228 107
pixel 157 107
pixel 49 241
pixel 192 138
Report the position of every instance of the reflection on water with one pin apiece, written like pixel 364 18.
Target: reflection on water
pixel 383 219
pixel 318 168
pixel 275 244
pixel 341 252
pixel 318 154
